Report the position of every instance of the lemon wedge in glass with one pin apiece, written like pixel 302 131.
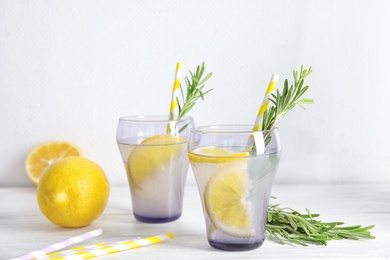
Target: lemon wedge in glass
pixel 226 191
pixel 152 156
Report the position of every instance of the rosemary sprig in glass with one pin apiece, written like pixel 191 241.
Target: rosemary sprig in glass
pixel 286 224
pixel 193 91
pixel 283 102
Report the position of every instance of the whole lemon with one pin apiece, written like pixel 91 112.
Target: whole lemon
pixel 73 192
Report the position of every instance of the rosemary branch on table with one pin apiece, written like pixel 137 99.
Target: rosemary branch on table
pixel 288 225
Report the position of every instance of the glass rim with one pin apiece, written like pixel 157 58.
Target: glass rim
pixel 152 118
pixel 230 129
pixel 160 145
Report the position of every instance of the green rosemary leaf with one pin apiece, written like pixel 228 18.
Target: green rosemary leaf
pixel 288 225
pixel 284 101
pixel 205 79
pixel 193 90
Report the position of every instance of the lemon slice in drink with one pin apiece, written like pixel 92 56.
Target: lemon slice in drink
pixel 212 154
pixel 152 156
pixel 225 195
pixel 226 202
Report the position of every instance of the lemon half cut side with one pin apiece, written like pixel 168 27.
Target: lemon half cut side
pixel 45 155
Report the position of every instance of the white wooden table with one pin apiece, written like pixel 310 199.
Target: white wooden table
pixel 24 229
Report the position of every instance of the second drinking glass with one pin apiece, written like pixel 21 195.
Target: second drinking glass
pixel 154 153
pixel 234 168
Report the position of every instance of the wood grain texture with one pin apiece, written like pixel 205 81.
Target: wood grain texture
pixel 24 228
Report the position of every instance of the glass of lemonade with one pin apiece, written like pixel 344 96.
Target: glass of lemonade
pixel 234 181
pixel 154 153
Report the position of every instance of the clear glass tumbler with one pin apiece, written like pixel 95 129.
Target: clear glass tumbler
pixel 154 153
pixel 234 168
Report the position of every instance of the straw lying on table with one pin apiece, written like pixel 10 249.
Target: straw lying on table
pixel 71 251
pixel 259 119
pixel 61 245
pixel 122 246
pixel 82 248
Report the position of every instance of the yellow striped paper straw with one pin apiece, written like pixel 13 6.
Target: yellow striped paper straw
pixel 264 106
pixel 173 111
pixel 106 250
pixel 72 251
pixel 259 119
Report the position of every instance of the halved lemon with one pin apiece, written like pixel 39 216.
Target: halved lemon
pixel 213 154
pixel 153 156
pixel 46 154
pixel 226 202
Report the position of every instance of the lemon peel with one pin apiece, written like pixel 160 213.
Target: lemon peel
pixel 73 192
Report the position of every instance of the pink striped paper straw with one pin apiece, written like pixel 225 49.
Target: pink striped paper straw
pixel 60 245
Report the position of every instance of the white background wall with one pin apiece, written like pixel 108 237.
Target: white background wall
pixel 69 69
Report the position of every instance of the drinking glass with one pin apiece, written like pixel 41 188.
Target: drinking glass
pixel 154 153
pixel 234 168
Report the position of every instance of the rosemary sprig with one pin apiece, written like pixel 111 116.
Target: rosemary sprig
pixel 283 102
pixel 193 91
pixel 288 225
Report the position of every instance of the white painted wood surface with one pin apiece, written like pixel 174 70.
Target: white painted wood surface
pixel 24 229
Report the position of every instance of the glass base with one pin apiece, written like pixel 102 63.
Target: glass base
pixel 156 220
pixel 235 247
